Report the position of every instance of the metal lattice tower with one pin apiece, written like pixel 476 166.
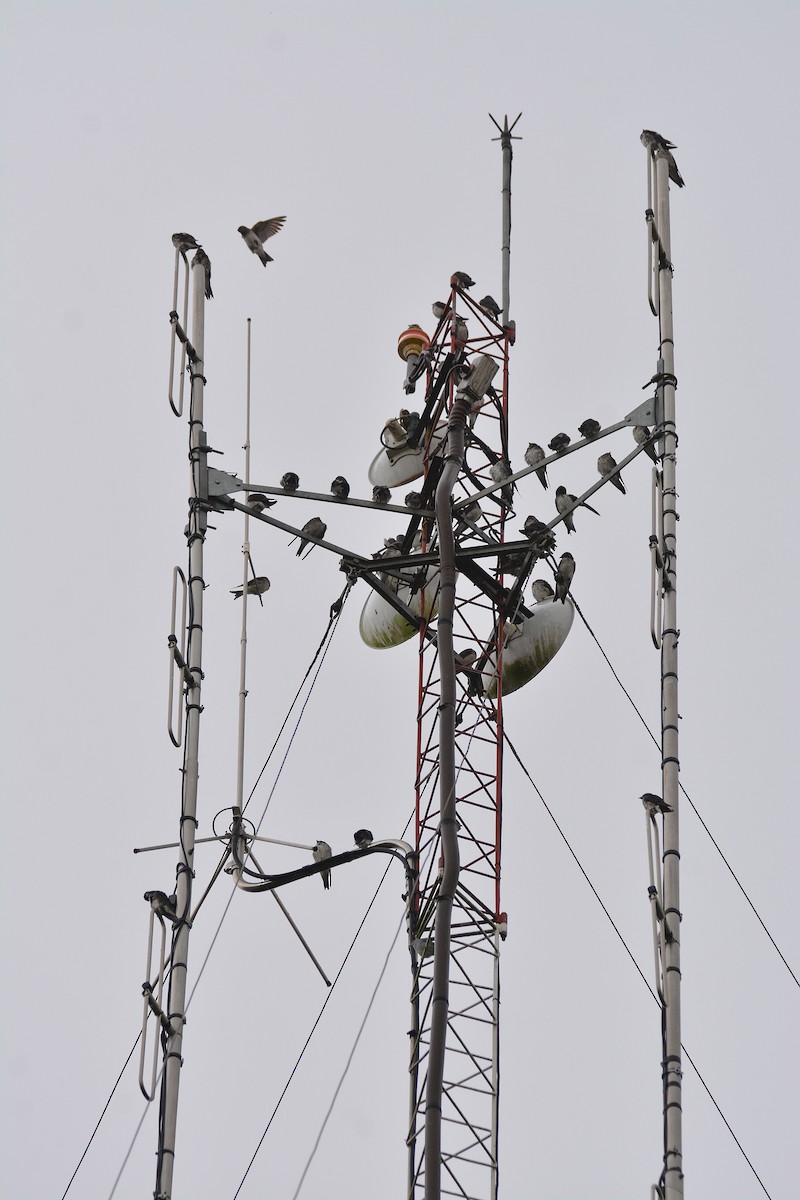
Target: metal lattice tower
pixel 470 1096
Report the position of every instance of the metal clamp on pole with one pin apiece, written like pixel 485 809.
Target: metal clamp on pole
pixel 152 1003
pixel 176 330
pixel 177 658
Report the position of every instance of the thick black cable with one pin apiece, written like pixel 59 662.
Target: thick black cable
pixel 694 807
pixel 630 954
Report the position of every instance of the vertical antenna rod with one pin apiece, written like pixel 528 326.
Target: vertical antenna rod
pixel 176 1004
pixel 245 576
pixel 672 1069
pixel 505 141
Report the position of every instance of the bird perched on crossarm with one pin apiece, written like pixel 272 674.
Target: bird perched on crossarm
pixel 258 501
pixel 317 528
pixel 654 803
pixel 290 482
pixel 589 428
pixel 607 466
pixel 564 501
pixel 641 435
pixel 490 306
pixel 533 455
pixel 559 442
pixel 254 238
pixel 499 471
pixel 460 279
pixel 381 494
pixel 320 852
pixel 564 575
pixel 340 488
pixel 184 242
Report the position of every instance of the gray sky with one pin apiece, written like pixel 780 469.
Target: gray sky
pixel 367 125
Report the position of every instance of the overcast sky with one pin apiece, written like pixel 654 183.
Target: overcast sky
pixel 367 125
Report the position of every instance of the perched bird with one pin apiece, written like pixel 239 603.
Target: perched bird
pixel 363 838
pixel 440 309
pixel 465 658
pixel 564 501
pixel 654 141
pixel 409 421
pixel 184 242
pixel 499 471
pixel 467 518
pixel 322 851
pixel 255 587
pixel 564 574
pixel 607 465
pixel 254 238
pixel 490 306
pixel 533 526
pixel 641 434
pixel 559 442
pixel 202 258
pixel 533 455
pixel 460 279
pixel 413 500
pixel 162 904
pixel 381 495
pixel 589 428
pixel 316 527
pixel 340 488
pixel 258 501
pixel 460 330
pixel 290 482
pixel 654 803
pixel 542 591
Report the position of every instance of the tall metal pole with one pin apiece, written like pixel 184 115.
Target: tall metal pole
pixel 176 1007
pixel 672 1068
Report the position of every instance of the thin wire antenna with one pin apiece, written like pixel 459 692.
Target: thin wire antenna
pixel 246 566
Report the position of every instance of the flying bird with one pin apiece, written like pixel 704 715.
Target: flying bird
pixel 184 242
pixel 363 838
pixel 202 258
pixel 655 803
pixel 559 442
pixel 460 279
pixel 641 435
pixel 542 591
pixel 316 527
pixel 499 471
pixel 589 428
pixel 564 501
pixel 533 455
pixel 254 238
pixel 340 488
pixel 564 574
pixel 322 851
pixel 290 482
pixel 490 306
pixel 258 501
pixel 255 587
pixel 607 465
pixel 654 141
pixel 381 495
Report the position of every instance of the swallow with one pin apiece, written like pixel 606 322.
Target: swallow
pixel 467 519
pixel 654 803
pixel 559 442
pixel 340 488
pixel 184 242
pixel 499 471
pixel 258 501
pixel 290 482
pixel 564 574
pixel 465 658
pixel 564 501
pixel 363 838
pixel 533 455
pixel 413 500
pixel 461 280
pixel 255 587
pixel 254 238
pixel 409 420
pixel 440 309
pixel 641 435
pixel 322 851
pixel 589 428
pixel 654 141
pixel 202 258
pixel 316 527
pixel 542 591
pixel 490 306
pixel 607 465
pixel 460 331
pixel 162 904
pixel 381 495
pixel 532 527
